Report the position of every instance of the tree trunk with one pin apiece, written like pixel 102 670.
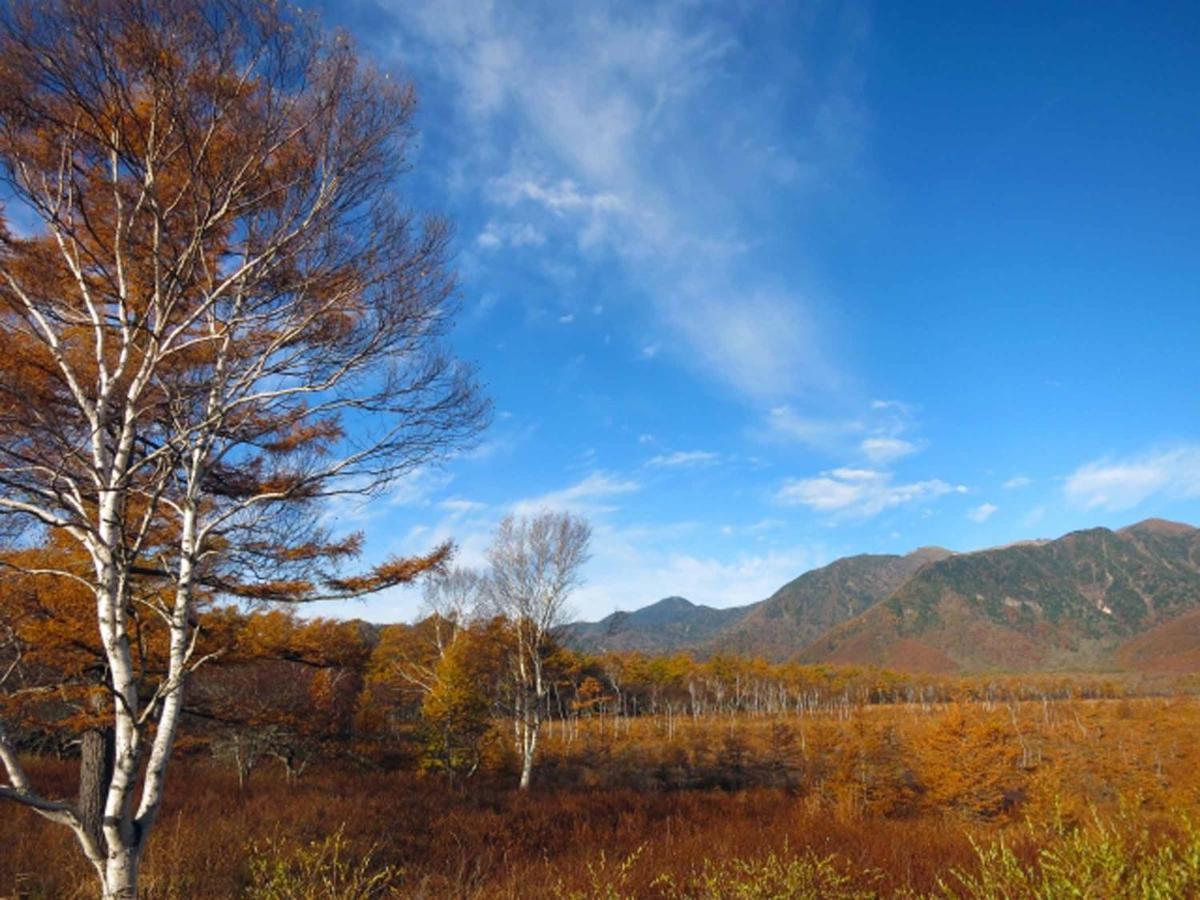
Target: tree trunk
pixel 120 875
pixel 527 769
pixel 529 742
pixel 95 773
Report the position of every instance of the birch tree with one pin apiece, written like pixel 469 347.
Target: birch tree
pixel 214 317
pixel 453 599
pixel 535 564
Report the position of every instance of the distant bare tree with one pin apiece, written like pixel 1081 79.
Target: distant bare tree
pixel 535 564
pixel 454 597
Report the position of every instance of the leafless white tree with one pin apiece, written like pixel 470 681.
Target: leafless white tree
pixel 535 565
pixel 454 598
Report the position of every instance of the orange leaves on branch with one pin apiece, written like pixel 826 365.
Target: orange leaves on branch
pixel 277 591
pixel 315 435
pixel 390 573
pixel 395 571
pixel 349 546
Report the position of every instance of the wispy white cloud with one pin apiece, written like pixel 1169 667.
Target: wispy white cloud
pixel 882 450
pixel 875 432
pixel 859 492
pixel 682 458
pixel 586 496
pixel 759 529
pixel 416 488
pixel 767 524
pixel 504 438
pixel 631 571
pixel 1116 484
pixel 1017 482
pixel 461 506
pixel 982 512
pixel 561 198
pixel 512 234
pixel 763 342
pixel 785 423
pixel 571 111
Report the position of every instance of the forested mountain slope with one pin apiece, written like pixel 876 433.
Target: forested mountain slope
pixel 1087 600
pixel 776 628
pixel 808 606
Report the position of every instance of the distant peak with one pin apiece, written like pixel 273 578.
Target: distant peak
pixel 672 603
pixel 1028 542
pixel 932 554
pixel 1157 526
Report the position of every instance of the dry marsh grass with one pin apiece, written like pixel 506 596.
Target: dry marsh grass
pixel 888 802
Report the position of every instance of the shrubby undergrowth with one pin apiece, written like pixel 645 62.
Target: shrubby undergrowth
pixel 1076 799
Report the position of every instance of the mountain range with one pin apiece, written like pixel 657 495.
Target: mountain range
pixel 1091 600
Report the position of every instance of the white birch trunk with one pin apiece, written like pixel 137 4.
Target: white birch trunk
pixel 121 874
pixel 530 729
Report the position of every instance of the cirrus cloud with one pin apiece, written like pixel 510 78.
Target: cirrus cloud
pixel 567 115
pixel 683 458
pixel 982 512
pixel 586 496
pixel 886 449
pixel 859 493
pixel 1117 484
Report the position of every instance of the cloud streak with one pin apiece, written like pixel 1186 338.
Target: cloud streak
pixel 683 458
pixel 859 493
pixel 571 112
pixel 633 570
pixel 881 450
pixel 1118 484
pixel 982 512
pixel 592 495
pixel 875 435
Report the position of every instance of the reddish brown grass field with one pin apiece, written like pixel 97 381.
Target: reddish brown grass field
pixel 627 808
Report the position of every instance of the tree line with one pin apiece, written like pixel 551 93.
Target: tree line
pixel 489 666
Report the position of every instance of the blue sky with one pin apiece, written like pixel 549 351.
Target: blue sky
pixel 754 286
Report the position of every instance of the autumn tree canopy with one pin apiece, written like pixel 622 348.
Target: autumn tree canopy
pixel 218 317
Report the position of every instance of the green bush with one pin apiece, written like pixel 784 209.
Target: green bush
pixel 320 870
pixel 605 880
pixel 772 877
pixel 1118 859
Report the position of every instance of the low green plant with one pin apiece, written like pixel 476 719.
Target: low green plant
pixel 773 877
pixel 606 881
pixel 319 870
pixel 1102 859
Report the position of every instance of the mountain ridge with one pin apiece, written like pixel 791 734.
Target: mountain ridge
pixel 1089 599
